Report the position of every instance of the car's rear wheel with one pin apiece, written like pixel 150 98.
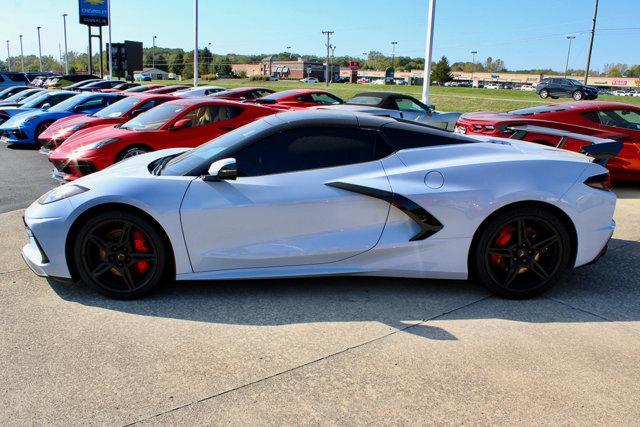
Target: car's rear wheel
pixel 544 94
pixel 120 255
pixel 522 253
pixel 577 95
pixel 129 152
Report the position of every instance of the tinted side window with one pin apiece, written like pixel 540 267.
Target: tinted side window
pixel 1 78
pixel 324 98
pixel 304 98
pixel 18 78
pixel 592 116
pixel 310 148
pixel 625 119
pixel 406 104
pixel 203 116
pixel 405 136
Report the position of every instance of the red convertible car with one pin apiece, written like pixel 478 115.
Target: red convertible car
pixel 116 113
pixel 186 122
pixel 611 120
pixel 243 93
pixel 296 99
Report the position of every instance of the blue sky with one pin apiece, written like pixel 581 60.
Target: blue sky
pixel 525 34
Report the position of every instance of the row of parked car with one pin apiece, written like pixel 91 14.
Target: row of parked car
pixel 85 127
pixel 89 125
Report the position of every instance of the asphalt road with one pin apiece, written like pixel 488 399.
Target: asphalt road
pixel 25 174
pixel 330 350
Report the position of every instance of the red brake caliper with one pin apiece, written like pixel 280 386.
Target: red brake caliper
pixel 140 246
pixel 502 241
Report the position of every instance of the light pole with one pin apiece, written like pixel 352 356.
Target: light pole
pixel 8 56
pixel 39 49
pixel 153 53
pixel 473 64
pixel 593 33
pixel 109 54
pixel 66 57
pixel 566 67
pixel 289 52
pixel 195 43
pixel 427 52
pixel 393 54
pixel 21 54
pixel 210 59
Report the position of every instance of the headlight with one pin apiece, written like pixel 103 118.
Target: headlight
pixel 61 192
pixel 95 145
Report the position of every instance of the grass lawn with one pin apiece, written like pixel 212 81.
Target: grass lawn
pixel 445 98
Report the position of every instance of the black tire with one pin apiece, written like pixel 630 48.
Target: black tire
pixel 544 94
pixel 577 95
pixel 132 151
pixel 521 253
pixel 41 128
pixel 120 255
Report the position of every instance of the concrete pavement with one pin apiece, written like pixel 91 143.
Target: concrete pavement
pixel 330 351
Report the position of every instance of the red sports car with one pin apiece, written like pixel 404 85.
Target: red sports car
pixel 296 99
pixel 168 89
pixel 120 88
pixel 186 122
pixel 116 113
pixel 612 120
pixel 243 93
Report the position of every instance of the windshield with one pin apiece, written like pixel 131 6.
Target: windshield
pixel 137 89
pixel 155 118
pixel 537 110
pixel 211 151
pixel 37 101
pixel 117 109
pixel 365 100
pixel 68 104
pixel 22 96
pixel 280 95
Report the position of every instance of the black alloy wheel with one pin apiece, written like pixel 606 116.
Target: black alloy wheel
pixel 522 253
pixel 120 255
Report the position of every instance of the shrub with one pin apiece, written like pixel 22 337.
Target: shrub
pixel 209 77
pixel 257 77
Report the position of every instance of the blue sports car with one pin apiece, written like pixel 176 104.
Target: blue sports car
pixel 21 97
pixel 26 127
pixel 43 101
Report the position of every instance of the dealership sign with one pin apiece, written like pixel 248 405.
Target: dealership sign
pixel 94 12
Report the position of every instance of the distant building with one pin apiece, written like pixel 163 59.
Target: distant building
pixel 299 69
pixel 155 73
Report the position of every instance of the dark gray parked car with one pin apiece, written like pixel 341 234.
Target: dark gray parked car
pixel 558 87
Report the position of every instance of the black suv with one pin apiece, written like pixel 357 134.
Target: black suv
pixel 565 88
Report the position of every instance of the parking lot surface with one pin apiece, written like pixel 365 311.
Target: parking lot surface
pixel 330 350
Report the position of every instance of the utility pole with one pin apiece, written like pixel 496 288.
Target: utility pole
pixel 593 33
pixel 427 52
pixel 195 42
pixel 109 54
pixel 153 53
pixel 210 59
pixel 326 74
pixel 393 55
pixel 365 56
pixel 566 67
pixel 39 49
pixel 473 64
pixel 21 54
pixel 66 57
pixel 8 56
pixel 289 52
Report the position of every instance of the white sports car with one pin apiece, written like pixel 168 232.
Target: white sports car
pixel 314 193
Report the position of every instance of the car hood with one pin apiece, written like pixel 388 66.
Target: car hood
pixel 137 166
pixel 89 136
pixel 13 111
pixel 66 122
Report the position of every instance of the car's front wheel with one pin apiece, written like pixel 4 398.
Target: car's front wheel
pixel 129 152
pixel 577 95
pixel 522 253
pixel 120 255
pixel 544 94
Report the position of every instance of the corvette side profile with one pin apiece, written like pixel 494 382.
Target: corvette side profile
pixel 317 193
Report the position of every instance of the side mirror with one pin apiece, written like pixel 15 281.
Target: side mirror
pixel 222 169
pixel 181 124
pixel 46 106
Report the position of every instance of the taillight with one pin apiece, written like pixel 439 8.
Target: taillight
pixel 601 182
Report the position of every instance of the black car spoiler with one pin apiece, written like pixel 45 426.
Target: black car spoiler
pixel 601 149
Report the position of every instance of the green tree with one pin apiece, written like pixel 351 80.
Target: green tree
pixel 176 63
pixel 441 71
